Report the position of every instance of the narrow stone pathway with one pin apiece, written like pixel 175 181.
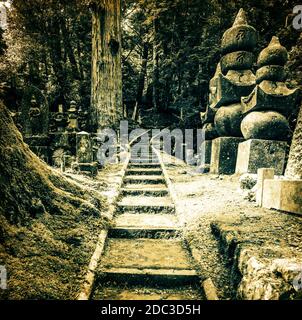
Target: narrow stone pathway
pixel 145 257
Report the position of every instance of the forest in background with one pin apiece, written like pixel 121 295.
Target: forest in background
pixel 170 51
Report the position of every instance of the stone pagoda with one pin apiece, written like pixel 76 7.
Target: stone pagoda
pixel 266 110
pixel 233 79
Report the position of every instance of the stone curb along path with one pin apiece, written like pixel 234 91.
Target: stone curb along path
pixel 143 256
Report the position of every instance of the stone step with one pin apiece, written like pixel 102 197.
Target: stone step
pixel 167 278
pixel 144 171
pixel 152 226
pixel 146 205
pixel 145 190
pixel 130 293
pixel 144 179
pixel 144 154
pixel 152 261
pixel 144 160
pixel 158 256
pixel 140 186
pixel 143 232
pixel 150 209
pixel 126 220
pixel 144 165
pixel 139 201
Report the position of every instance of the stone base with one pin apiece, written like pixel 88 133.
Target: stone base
pixel 285 195
pixel 224 155
pixel 205 152
pixel 255 154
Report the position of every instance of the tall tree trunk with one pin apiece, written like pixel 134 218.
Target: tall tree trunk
pixel 68 48
pixel 155 66
pixel 106 95
pixel 55 46
pixel 141 81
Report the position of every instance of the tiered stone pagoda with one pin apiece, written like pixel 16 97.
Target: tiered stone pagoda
pixel 233 79
pixel 266 110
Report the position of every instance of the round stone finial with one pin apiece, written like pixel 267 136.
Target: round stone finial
pixel 240 37
pixel 240 19
pixel 275 41
pixel 273 54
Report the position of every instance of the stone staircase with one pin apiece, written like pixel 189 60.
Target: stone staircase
pixel 145 257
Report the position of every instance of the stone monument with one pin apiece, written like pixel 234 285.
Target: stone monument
pixel 72 118
pixel 84 154
pixel 265 110
pixel 233 79
pixel 50 131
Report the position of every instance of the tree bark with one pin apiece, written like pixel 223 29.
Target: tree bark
pixel 55 46
pixel 106 95
pixel 69 49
